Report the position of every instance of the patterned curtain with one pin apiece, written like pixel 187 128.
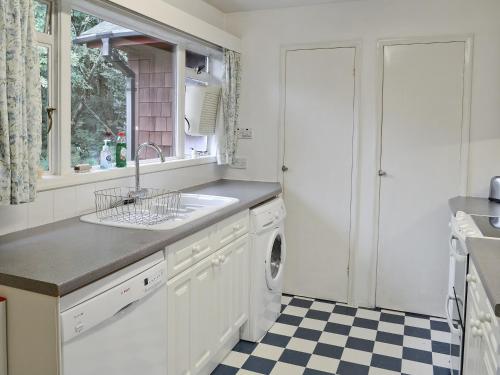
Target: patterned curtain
pixel 226 138
pixel 20 103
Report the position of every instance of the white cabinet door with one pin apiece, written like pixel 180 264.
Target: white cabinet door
pixel 224 287
pixel 179 323
pixel 207 303
pixel 475 346
pixel 318 151
pixel 232 282
pixel 240 282
pixel 422 109
pixel 470 352
pixel 203 313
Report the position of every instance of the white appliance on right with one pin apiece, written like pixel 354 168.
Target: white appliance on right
pixel 463 225
pixel 267 260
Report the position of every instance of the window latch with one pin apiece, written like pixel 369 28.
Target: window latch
pixel 50 112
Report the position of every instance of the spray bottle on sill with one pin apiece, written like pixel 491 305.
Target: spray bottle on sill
pixel 106 160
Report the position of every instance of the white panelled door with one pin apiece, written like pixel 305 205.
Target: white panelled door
pixel 318 152
pixel 422 110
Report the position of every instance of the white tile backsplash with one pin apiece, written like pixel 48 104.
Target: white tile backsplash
pixel 13 218
pixel 85 198
pixel 60 204
pixel 41 211
pixel 64 203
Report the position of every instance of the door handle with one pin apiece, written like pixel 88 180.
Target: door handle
pixel 284 168
pixel 382 173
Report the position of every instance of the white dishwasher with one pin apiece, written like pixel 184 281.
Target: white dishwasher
pixel 118 325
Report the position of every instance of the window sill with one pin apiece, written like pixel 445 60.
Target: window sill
pixel 50 182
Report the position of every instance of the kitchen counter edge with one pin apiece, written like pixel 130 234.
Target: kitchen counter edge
pixel 474 206
pixel 249 193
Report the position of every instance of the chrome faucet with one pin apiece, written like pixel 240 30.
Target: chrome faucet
pixel 155 147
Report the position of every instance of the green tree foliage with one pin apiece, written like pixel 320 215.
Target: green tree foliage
pixel 43 54
pixel 98 95
pixel 98 91
pixel 41 25
pixel 41 16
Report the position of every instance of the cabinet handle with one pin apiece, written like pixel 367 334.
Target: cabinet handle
pixel 196 248
pixel 216 261
pixel 470 278
pixel 236 227
pixel 477 332
pixel 484 317
pixel 222 258
pixel 475 323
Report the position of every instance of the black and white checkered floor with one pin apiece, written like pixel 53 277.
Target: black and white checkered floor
pixel 319 337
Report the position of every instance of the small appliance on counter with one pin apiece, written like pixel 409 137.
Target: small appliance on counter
pixel 495 189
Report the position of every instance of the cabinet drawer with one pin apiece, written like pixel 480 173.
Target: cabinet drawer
pixel 188 251
pixel 231 228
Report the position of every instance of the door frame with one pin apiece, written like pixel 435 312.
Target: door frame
pixel 468 40
pixel 354 212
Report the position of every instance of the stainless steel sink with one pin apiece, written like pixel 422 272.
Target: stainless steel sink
pixel 192 207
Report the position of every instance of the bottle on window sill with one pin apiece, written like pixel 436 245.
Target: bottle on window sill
pixel 121 150
pixel 105 159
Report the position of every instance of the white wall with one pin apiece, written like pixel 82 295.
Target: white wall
pixel 264 32
pixel 201 10
pixel 60 204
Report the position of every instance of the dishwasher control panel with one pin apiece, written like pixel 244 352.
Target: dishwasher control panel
pixel 115 301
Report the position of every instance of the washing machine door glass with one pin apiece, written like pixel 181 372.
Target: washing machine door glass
pixel 274 261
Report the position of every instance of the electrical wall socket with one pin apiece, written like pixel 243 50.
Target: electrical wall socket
pixel 239 163
pixel 244 133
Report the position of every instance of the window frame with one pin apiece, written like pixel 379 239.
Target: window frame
pixel 48 40
pixel 61 171
pixel 49 18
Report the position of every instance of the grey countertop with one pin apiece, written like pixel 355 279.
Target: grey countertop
pixel 474 206
pixel 485 254
pixel 58 258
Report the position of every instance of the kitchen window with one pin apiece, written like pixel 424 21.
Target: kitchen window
pixel 121 81
pixel 105 71
pixel 202 73
pixel 43 16
pixel 45 41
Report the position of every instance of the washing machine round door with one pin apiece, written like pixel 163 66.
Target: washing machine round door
pixel 275 259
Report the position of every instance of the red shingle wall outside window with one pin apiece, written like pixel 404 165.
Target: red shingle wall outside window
pixel 155 100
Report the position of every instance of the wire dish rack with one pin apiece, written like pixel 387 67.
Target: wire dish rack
pixel 146 207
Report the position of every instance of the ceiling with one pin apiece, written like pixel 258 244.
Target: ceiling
pixel 230 6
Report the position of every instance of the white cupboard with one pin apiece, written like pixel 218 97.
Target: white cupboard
pixel 207 304
pixel 204 292
pixel 422 106
pixel 178 336
pixel 241 287
pixel 482 330
pixel 319 116
pixel 224 287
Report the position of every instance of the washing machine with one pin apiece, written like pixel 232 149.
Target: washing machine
pixel 267 261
